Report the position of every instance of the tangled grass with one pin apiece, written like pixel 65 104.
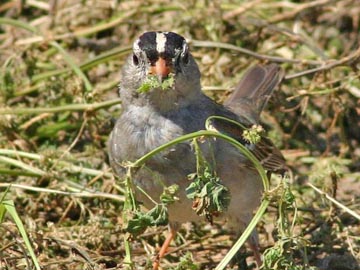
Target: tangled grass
pixel 60 63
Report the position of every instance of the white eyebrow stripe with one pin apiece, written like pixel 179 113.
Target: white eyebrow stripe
pixel 160 42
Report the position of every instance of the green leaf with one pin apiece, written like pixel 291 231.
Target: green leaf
pixel 138 224
pixel 210 196
pixel 51 130
pixel 159 215
pixel 168 82
pixel 169 194
pixel 152 82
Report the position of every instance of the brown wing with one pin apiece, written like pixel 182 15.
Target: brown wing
pixel 269 156
pixel 254 90
pixel 265 151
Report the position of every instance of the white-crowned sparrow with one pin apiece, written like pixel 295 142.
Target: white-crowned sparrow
pixel 159 114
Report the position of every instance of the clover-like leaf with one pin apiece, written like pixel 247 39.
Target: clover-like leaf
pixel 153 82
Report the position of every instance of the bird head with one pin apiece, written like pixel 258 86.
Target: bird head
pixel 160 69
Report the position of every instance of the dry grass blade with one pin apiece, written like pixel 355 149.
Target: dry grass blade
pixel 338 204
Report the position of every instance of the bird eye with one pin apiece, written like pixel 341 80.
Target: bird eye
pixel 135 60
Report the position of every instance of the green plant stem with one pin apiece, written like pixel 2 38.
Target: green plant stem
pixel 102 58
pixel 72 65
pixel 75 192
pixel 129 206
pixel 244 236
pixel 13 153
pixel 59 163
pixel 206 133
pixel 20 24
pixel 13 172
pixel 127 260
pixel 246 153
pixel 65 108
pixel 22 165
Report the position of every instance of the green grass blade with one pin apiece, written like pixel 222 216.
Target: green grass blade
pixel 10 208
pixel 73 65
pixel 2 212
pixel 22 165
pixel 18 23
pixel 64 108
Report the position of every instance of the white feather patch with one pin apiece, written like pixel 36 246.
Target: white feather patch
pixel 160 42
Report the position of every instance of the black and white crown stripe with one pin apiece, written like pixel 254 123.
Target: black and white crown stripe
pixel 160 44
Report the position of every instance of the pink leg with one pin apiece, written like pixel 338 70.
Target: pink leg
pixel 164 247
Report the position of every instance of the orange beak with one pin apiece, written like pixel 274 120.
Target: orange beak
pixel 160 69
